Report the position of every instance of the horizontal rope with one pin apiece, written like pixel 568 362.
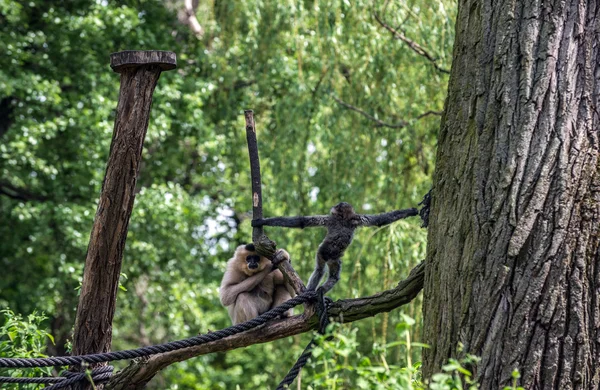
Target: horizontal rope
pixel 39 380
pixel 99 375
pixel 161 348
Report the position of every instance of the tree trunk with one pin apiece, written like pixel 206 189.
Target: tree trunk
pixel 140 71
pixel 513 264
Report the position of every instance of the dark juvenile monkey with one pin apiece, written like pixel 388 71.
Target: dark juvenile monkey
pixel 340 230
pixel 251 286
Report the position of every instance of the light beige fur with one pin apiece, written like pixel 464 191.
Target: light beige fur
pixel 247 293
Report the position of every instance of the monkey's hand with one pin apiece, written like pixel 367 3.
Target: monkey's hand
pixel 280 255
pixel 258 222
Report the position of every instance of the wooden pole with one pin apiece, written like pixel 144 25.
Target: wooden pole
pixel 264 245
pixel 139 71
pixel 257 212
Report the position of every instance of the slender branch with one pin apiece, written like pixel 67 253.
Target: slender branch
pixel 257 212
pixel 140 71
pixel 20 193
pixel 243 84
pixel 291 276
pixel 379 122
pixel 264 246
pixel 430 112
pixel 7 108
pixel 237 85
pixel 140 372
pixel 23 194
pixel 414 46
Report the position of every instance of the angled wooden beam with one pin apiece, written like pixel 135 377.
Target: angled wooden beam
pixel 139 71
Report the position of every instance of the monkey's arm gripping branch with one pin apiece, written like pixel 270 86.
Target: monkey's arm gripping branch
pixel 387 218
pixel 292 222
pixel 231 291
pixel 267 248
pixel 289 273
pixel 281 278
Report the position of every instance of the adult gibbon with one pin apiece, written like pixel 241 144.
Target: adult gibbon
pixel 340 230
pixel 252 286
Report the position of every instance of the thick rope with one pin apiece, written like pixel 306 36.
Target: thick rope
pixel 322 307
pixel 161 348
pixel 424 212
pixel 40 380
pixel 99 375
pixel 295 370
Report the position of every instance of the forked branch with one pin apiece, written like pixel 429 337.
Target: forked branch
pixel 139 372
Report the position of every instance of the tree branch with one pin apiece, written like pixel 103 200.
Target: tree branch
pixel 379 122
pixel 139 372
pixel 17 193
pixel 420 50
pixel 257 212
pixel 430 112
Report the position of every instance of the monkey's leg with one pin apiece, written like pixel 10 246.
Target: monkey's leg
pixel 282 295
pixel 246 308
pixel 317 274
pixel 335 267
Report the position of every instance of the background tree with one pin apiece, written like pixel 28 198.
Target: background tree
pixel 513 250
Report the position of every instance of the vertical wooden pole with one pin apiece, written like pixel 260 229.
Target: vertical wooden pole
pixel 139 71
pixel 264 245
pixel 257 212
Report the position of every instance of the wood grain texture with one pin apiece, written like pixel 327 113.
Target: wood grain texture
pixel 95 311
pixel 166 60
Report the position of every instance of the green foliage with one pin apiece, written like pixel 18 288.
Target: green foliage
pixel 515 377
pixel 24 338
pixel 337 362
pixel 287 61
pixel 456 375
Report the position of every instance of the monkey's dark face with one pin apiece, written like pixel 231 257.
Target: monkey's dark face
pixel 342 209
pixel 252 261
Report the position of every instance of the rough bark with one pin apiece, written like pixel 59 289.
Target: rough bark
pixel 139 73
pixel 141 371
pixel 264 245
pixel 513 264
